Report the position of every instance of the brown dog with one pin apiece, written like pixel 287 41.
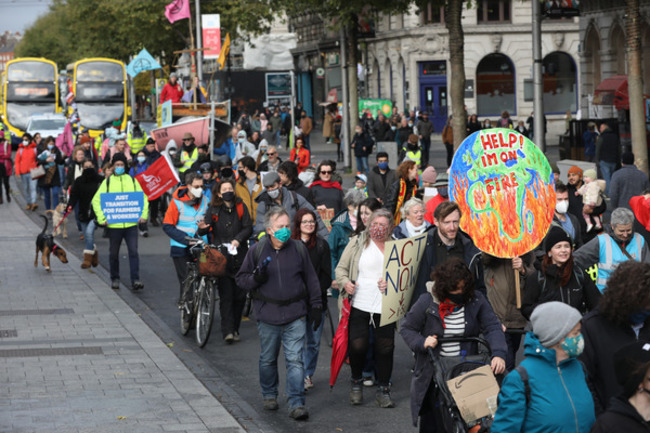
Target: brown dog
pixel 45 245
pixel 57 216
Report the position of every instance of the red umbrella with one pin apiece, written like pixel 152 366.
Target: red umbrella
pixel 340 343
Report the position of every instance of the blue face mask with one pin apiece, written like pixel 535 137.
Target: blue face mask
pixel 639 318
pixel 283 234
pixel 50 146
pixel 141 159
pixel 119 171
pixel 382 165
pixel 573 346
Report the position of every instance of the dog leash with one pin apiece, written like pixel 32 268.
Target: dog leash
pixel 60 222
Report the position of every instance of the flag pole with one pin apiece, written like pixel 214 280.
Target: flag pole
pixel 193 57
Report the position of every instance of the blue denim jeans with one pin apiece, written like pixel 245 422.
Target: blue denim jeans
pixel 29 188
pixel 607 169
pixel 362 164
pixel 88 230
pixel 292 339
pixel 312 346
pixel 51 196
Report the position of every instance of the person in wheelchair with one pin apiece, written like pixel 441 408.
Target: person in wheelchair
pixel 452 308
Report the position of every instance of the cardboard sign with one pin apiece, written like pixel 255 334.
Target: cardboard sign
pixel 401 264
pixel 327 215
pixel 471 391
pixel 122 207
pixel 158 178
pixel 504 186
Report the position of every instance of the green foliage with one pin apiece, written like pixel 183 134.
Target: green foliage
pixel 77 29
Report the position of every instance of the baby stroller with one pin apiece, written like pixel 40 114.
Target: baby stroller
pixel 448 416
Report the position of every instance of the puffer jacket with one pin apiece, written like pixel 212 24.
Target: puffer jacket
pixel 560 400
pixel 424 320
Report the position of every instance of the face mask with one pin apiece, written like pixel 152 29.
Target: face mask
pixel 196 192
pixel 410 124
pixel 50 146
pixel 413 147
pixel 458 299
pixel 141 159
pixel 25 143
pixel 562 207
pixel 228 196
pixel 393 127
pixel 241 173
pixel 573 346
pixel 88 172
pixel 378 232
pixel 443 192
pixel 283 234
pixel 274 193
pixel 639 318
pixel 119 171
pixel 241 140
pixel 383 165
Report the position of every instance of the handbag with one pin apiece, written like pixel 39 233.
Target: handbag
pixel 37 172
pixel 212 263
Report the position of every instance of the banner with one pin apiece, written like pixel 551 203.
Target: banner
pixel 211 31
pixel 401 264
pixel 504 186
pixel 158 178
pixel 166 113
pixel 122 207
pixel 142 62
pixel 177 10
pixel 384 105
pixel 225 49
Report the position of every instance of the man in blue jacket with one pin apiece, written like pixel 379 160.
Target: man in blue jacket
pixel 284 287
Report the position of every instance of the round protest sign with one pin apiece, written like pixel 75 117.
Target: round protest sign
pixel 505 189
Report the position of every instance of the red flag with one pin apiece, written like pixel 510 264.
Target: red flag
pixel 158 178
pixel 177 10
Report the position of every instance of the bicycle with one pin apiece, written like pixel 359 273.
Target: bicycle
pixel 199 296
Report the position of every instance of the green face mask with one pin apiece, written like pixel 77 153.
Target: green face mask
pixel 283 234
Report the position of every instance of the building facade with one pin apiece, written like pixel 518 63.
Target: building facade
pixel 409 63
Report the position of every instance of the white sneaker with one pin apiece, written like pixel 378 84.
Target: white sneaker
pixel 589 227
pixel 308 383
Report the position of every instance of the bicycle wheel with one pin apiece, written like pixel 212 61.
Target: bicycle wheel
pixel 204 311
pixel 187 309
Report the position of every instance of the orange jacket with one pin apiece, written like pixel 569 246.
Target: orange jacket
pixel 301 159
pixel 25 158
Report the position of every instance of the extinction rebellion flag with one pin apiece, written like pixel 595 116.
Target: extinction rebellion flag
pixel 177 10
pixel 158 178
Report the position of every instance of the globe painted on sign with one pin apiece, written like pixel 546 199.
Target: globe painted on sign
pixel 505 189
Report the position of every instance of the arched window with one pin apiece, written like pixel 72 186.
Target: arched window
pixel 560 83
pixel 618 49
pixel 495 85
pixel 592 57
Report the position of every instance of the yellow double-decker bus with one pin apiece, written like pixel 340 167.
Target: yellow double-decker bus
pixel 29 86
pixel 100 92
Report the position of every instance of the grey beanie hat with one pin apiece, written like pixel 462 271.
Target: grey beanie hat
pixel 552 321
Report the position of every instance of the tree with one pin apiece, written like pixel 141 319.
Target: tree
pixel 453 15
pixel 635 84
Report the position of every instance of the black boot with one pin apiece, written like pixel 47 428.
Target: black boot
pixel 356 392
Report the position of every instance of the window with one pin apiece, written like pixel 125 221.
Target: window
pixel 495 85
pixel 432 14
pixel 493 11
pixel 559 83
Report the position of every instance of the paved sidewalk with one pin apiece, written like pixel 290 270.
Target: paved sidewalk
pixel 75 358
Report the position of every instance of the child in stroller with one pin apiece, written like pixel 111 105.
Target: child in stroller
pixel 451 309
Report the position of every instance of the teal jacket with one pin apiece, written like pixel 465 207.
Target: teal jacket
pixel 560 400
pixel 339 237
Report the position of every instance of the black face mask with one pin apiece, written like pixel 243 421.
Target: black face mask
pixel 228 196
pixel 241 174
pixel 458 299
pixel 412 147
pixel 89 172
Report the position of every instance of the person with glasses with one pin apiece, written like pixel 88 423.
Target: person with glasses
pixel 360 275
pixel 273 162
pixel 327 192
pixel 300 155
pixel 276 195
pixel 304 229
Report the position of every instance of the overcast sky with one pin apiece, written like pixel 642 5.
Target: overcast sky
pixel 18 15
